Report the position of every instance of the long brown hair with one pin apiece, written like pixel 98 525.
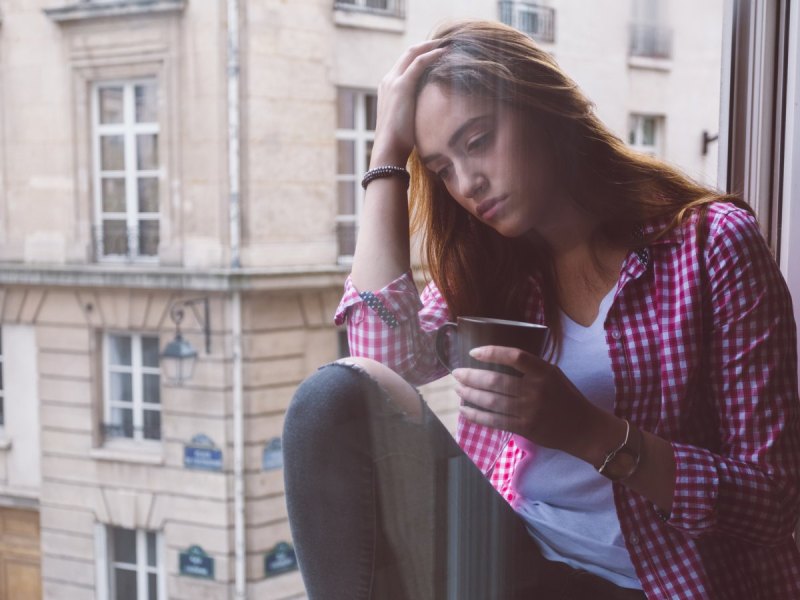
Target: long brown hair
pixel 480 272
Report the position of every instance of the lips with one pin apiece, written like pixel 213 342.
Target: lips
pixel 486 205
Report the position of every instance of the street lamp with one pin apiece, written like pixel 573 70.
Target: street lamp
pixel 178 357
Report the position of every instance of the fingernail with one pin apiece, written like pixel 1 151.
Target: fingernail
pixel 476 352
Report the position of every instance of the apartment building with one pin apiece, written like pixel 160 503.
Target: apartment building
pixel 179 201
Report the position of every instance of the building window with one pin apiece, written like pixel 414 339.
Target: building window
pixel 126 170
pixel 132 387
pixel 539 22
pixel 133 561
pixel 395 8
pixel 354 136
pixel 645 134
pixel 649 36
pixel 2 395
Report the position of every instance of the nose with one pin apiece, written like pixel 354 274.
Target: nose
pixel 472 182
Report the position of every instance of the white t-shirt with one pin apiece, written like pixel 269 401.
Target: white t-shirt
pixel 567 504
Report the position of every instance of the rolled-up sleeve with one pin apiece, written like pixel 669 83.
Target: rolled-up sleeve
pixel 395 326
pixel 749 488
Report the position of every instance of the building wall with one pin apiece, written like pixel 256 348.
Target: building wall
pixel 295 55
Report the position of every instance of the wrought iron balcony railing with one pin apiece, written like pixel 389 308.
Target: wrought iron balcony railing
pixel 539 22
pixel 122 242
pixel 391 8
pixel 150 431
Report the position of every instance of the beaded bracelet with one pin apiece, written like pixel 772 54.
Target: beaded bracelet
pixel 386 171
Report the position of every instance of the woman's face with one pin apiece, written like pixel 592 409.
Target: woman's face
pixel 492 161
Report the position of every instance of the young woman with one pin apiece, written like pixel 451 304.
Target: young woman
pixel 654 452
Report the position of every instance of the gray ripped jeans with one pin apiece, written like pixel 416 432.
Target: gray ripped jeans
pixel 384 507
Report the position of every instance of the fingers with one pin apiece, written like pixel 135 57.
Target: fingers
pixel 489 401
pixel 492 381
pixel 490 419
pixel 414 52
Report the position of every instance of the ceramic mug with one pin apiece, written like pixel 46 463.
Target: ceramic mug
pixel 455 340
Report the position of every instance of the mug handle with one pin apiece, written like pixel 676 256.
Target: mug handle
pixel 441 339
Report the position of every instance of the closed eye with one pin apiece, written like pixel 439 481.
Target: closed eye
pixel 443 173
pixel 479 142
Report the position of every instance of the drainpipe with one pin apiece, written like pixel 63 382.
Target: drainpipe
pixel 240 549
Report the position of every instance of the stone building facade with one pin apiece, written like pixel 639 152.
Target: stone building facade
pixel 123 164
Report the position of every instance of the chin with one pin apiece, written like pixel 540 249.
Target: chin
pixel 511 230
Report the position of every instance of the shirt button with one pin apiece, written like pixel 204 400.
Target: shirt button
pixel 616 334
pixel 634 539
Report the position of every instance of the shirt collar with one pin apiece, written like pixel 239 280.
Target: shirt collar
pixel 653 226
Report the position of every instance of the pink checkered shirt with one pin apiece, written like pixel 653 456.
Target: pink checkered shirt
pixel 725 396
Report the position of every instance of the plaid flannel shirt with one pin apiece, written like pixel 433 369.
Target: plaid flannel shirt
pixel 718 380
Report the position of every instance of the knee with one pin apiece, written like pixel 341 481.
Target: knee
pixel 402 394
pixel 322 403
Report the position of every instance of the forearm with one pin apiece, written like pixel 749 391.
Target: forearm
pixel 382 249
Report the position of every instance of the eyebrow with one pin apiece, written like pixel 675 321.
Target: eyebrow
pixel 453 141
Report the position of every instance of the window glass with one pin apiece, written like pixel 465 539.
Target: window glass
pixel 146 102
pixel 111 105
pixel 113 194
pixel 112 153
pixel 115 237
pixel 148 194
pixel 120 350
pixel 346 109
pixel 147 152
pixel 124 544
pixel 150 351
pixel 148 237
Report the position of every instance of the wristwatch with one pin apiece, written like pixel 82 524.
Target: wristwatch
pixel 623 460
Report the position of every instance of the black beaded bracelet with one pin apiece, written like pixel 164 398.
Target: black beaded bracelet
pixel 387 171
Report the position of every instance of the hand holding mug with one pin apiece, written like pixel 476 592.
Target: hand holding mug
pixel 506 386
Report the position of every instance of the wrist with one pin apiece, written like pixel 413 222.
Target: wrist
pixel 601 433
pixel 383 155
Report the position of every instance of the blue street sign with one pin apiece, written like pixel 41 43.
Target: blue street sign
pixel 196 563
pixel 201 453
pixel 281 559
pixel 273 455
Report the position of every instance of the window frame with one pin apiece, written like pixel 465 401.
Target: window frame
pixel 138 406
pixel 361 136
pixel 105 564
pixel 129 129
pixel 638 119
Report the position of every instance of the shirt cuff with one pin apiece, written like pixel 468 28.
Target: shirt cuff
pixel 394 303
pixel 696 490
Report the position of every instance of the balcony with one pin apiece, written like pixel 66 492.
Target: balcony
pixel 650 41
pixel 151 430
pixel 116 241
pixel 539 22
pixel 386 8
